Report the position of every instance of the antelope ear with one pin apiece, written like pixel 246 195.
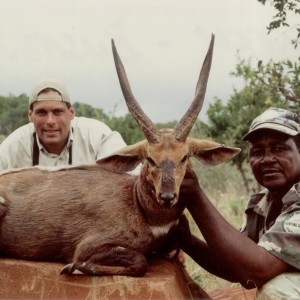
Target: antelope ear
pixel 211 153
pixel 124 160
pixel 120 163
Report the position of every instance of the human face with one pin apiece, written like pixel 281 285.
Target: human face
pixel 52 121
pixel 275 160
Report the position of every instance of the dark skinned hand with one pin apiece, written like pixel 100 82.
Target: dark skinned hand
pixel 190 188
pixel 183 231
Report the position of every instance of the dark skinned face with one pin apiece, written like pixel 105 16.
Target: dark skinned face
pixel 275 160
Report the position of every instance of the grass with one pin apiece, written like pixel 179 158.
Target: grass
pixel 224 188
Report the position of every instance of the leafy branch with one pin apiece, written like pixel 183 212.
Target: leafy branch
pixel 280 19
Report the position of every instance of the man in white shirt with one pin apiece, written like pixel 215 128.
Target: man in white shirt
pixel 54 136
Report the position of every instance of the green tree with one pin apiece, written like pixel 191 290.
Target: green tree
pixel 265 84
pixel 284 75
pixel 280 19
pixel 127 127
pixel 228 123
pixel 282 79
pixel 13 113
pixel 86 110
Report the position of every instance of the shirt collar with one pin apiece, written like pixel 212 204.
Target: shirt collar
pixel 292 196
pixel 259 202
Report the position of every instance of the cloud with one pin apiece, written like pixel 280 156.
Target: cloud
pixel 162 45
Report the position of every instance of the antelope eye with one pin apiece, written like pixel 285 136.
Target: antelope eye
pixel 184 158
pixel 151 161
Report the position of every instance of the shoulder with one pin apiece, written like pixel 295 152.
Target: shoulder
pixel 88 124
pixel 22 134
pixel 257 201
pixel 16 149
pixel 292 197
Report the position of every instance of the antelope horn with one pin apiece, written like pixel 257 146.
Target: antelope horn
pixel 184 126
pixel 147 126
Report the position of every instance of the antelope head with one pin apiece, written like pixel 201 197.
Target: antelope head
pixel 166 152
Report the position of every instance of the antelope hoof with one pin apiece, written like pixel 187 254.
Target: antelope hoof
pixel 72 269
pixel 68 269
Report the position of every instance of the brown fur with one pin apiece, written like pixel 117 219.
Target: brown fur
pixel 74 214
pixel 97 218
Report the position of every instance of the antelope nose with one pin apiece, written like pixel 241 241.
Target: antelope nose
pixel 167 197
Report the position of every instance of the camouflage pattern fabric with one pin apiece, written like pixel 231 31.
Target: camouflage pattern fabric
pixel 282 287
pixel 280 236
pixel 277 119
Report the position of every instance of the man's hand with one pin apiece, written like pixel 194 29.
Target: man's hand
pixel 190 188
pixel 183 231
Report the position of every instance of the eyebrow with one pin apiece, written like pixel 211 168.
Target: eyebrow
pixel 52 110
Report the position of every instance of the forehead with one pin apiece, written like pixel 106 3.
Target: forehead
pixel 168 148
pixel 49 105
pixel 269 136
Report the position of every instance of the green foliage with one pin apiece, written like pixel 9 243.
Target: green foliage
pixel 229 122
pixel 13 113
pixel 128 128
pixel 266 84
pixel 222 185
pixel 280 19
pixel 171 124
pixel 282 79
pixel 200 130
pixel 125 125
pixel 86 110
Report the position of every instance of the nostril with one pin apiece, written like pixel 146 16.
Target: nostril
pixel 167 197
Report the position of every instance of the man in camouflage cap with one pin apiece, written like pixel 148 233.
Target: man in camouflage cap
pixel 265 254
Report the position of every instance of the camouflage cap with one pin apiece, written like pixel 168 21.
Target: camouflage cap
pixel 49 83
pixel 277 119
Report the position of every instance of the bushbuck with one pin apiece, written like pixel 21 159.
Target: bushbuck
pixel 98 218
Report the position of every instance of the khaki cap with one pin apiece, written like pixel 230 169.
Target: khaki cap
pixel 49 83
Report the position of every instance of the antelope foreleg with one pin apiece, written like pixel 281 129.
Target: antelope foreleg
pixel 110 260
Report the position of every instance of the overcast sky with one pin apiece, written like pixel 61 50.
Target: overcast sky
pixel 162 44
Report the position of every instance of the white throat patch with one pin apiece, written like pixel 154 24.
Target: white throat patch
pixel 159 231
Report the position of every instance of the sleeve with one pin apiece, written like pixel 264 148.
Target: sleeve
pixel 283 238
pixel 3 161
pixel 111 143
pixel 254 222
pixel 16 149
pixel 95 139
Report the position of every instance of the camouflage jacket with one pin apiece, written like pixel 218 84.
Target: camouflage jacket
pixel 280 236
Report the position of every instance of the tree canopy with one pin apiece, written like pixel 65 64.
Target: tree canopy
pixel 284 8
pixel 230 122
pixel 266 84
pixel 14 113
